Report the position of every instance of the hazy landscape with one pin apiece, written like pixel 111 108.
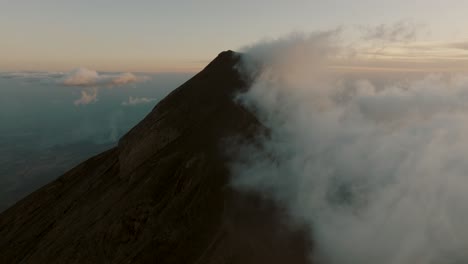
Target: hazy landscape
pixel 46 129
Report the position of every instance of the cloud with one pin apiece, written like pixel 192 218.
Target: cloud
pixel 44 78
pixel 30 75
pixel 87 97
pixel 89 80
pixel 373 165
pixel 137 100
pixel 463 45
pixel 83 77
pixel 401 31
pixel 125 78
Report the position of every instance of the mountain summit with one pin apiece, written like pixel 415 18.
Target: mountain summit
pixel 162 195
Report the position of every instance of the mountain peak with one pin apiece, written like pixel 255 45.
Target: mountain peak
pixel 197 99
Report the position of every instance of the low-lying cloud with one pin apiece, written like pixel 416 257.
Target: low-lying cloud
pixel 91 81
pixel 374 167
pixel 88 96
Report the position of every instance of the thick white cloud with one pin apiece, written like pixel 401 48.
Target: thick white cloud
pixel 375 167
pixel 81 77
pixel 137 100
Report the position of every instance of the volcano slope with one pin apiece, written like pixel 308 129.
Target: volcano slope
pixel 162 195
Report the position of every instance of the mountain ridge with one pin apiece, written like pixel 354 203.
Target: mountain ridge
pixel 162 195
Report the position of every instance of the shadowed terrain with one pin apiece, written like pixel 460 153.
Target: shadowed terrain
pixel 23 172
pixel 162 195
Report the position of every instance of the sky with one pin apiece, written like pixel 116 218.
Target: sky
pixel 183 36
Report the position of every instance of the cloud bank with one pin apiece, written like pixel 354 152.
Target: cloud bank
pixel 29 75
pixel 375 169
pixel 86 78
pixel 92 81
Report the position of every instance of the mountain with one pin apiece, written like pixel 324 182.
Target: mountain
pixel 162 195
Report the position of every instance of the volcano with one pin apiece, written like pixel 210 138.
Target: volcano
pixel 163 194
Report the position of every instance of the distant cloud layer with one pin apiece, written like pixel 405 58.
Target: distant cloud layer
pixel 30 75
pixel 92 81
pixel 81 77
pixel 84 77
pixel 138 100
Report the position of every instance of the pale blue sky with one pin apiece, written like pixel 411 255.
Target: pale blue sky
pixel 143 35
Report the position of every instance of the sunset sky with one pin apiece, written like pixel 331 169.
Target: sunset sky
pixel 182 36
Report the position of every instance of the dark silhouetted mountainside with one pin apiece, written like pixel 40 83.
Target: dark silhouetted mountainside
pixel 161 196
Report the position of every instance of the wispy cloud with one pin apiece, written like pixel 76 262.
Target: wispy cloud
pixel 137 100
pixel 401 31
pixel 88 96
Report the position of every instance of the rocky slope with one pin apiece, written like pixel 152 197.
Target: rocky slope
pixel 162 195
